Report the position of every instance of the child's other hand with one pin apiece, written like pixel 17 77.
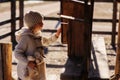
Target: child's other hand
pixel 58 32
pixel 31 64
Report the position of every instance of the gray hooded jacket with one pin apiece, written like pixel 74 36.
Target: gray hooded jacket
pixel 26 47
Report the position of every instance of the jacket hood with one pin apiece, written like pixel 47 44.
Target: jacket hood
pixel 26 32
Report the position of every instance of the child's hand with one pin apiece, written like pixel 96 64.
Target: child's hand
pixel 58 32
pixel 31 64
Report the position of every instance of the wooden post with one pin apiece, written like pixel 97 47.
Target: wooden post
pixel 21 12
pixel 5 61
pixel 87 40
pixel 74 34
pixel 114 23
pixel 117 67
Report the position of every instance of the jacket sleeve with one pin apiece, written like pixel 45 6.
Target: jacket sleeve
pixel 50 40
pixel 20 49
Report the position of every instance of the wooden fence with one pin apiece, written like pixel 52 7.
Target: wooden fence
pixel 5 61
pixel 14 19
pixel 21 12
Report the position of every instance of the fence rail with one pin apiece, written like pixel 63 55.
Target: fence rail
pixel 8 21
pixel 13 19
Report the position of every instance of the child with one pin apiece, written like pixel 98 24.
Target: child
pixel 31 44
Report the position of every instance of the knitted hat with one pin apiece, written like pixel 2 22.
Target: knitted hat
pixel 32 18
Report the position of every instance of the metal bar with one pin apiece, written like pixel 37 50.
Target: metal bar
pixel 5 22
pixel 56 18
pixel 104 20
pixel 101 0
pixel 51 18
pixel 118 0
pixel 13 21
pixel 114 23
pixel 49 30
pixel 5 35
pixel 62 26
pixel 1 1
pixel 71 18
pixel 21 13
pixel 8 21
pixel 102 32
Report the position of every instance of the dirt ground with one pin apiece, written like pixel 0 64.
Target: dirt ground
pixel 56 54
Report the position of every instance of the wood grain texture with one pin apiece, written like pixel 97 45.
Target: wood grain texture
pixel 1 70
pixel 99 64
pixel 6 55
pixel 117 66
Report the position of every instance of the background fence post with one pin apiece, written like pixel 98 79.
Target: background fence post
pixel 114 21
pixel 117 66
pixel 21 13
pixel 13 21
pixel 5 61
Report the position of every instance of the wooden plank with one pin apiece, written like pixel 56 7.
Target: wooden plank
pixel 6 51
pixel 117 66
pixel 74 34
pixel 7 56
pixel 99 64
pixel 114 23
pixel 76 44
pixel 70 8
pixel 1 70
pixel 73 29
pixel 65 10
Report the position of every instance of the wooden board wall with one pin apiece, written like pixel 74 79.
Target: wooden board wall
pixel 74 32
pixel 70 8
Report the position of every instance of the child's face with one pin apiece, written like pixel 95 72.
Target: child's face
pixel 40 25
